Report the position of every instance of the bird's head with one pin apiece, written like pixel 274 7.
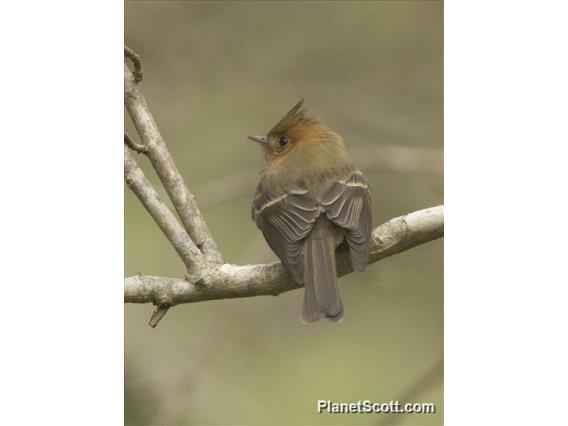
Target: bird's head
pixel 299 127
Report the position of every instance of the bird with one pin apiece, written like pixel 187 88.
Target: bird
pixel 311 198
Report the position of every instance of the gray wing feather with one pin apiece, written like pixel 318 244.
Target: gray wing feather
pixel 285 220
pixel 348 205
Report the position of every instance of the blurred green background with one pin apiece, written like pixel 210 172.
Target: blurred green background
pixel 215 72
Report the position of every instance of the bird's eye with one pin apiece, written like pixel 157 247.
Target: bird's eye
pixel 283 141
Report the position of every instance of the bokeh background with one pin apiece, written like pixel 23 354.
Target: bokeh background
pixel 215 72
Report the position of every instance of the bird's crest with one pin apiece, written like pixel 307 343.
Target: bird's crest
pixel 297 116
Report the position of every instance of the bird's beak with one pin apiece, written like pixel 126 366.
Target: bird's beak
pixel 258 138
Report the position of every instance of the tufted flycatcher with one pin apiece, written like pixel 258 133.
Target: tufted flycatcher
pixel 310 199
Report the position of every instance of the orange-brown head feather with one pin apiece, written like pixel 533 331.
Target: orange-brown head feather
pixel 298 127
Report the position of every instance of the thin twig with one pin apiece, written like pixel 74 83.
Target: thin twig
pixel 162 161
pixel 232 281
pixel 134 146
pixel 179 239
pixel 157 315
pixel 133 56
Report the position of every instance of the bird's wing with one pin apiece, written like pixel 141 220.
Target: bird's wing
pixel 285 220
pixel 348 204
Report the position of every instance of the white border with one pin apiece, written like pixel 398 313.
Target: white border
pixel 506 204
pixel 61 219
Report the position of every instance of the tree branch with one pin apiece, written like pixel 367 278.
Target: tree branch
pixel 133 56
pixel 232 281
pixel 134 146
pixel 157 315
pixel 162 161
pixel 183 245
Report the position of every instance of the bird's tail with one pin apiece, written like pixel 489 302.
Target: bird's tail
pixel 321 295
